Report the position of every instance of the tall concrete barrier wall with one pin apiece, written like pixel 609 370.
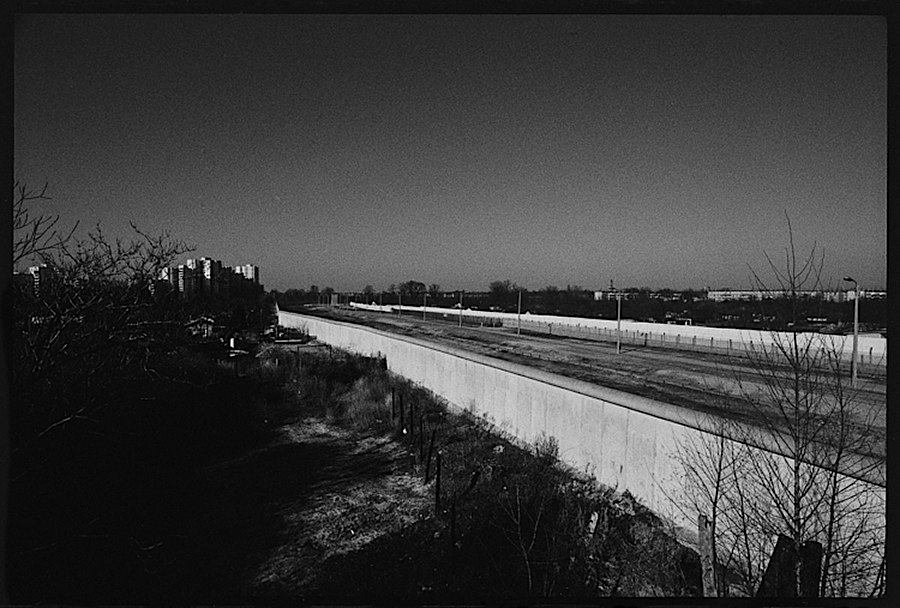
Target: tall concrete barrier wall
pixel 872 350
pixel 624 440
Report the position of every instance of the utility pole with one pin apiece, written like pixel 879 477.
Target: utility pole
pixel 855 337
pixel 519 316
pixel 855 363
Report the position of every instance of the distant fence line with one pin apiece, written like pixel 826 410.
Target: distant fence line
pixel 872 351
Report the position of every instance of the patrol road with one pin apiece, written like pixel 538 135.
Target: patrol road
pixel 730 388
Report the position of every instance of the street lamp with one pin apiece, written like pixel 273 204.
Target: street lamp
pixel 855 364
pixel 618 322
pixel 519 315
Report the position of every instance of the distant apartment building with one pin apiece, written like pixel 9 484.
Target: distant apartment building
pixel 866 294
pixel 35 279
pixel 187 279
pixel 614 294
pixel 249 272
pixel 41 276
pixel 723 295
pixel 208 276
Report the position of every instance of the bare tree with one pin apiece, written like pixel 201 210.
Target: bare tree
pixel 95 316
pixel 34 235
pixel 811 481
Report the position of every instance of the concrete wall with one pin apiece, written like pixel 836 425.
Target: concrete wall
pixel 625 440
pixel 873 349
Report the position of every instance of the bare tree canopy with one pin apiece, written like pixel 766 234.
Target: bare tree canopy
pixel 814 488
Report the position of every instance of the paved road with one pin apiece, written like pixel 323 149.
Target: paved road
pixel 724 386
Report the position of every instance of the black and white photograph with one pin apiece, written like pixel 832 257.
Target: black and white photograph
pixel 336 303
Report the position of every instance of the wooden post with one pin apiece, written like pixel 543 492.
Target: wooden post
pixel 779 578
pixel 707 562
pixel 437 484
pixel 453 526
pixel 428 461
pixel 421 439
pixel 810 568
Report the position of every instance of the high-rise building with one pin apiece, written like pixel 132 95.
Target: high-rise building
pixel 249 271
pixel 210 275
pixel 42 275
pixel 187 280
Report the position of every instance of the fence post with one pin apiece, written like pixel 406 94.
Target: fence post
pixel 437 484
pixel 453 526
pixel 421 439
pixel 707 561
pixel 870 355
pixel 428 461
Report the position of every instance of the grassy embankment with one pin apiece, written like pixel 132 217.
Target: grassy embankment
pixel 297 480
pixel 508 522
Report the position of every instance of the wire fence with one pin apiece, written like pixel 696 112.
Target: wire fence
pixel 868 359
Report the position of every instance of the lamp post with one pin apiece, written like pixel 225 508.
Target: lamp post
pixel 855 363
pixel 519 316
pixel 618 322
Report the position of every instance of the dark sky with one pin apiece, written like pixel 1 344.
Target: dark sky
pixel 657 151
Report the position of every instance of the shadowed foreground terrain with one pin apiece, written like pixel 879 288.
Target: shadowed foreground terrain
pixel 305 479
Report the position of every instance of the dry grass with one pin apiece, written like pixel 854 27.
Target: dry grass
pixel 367 405
pixel 341 520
